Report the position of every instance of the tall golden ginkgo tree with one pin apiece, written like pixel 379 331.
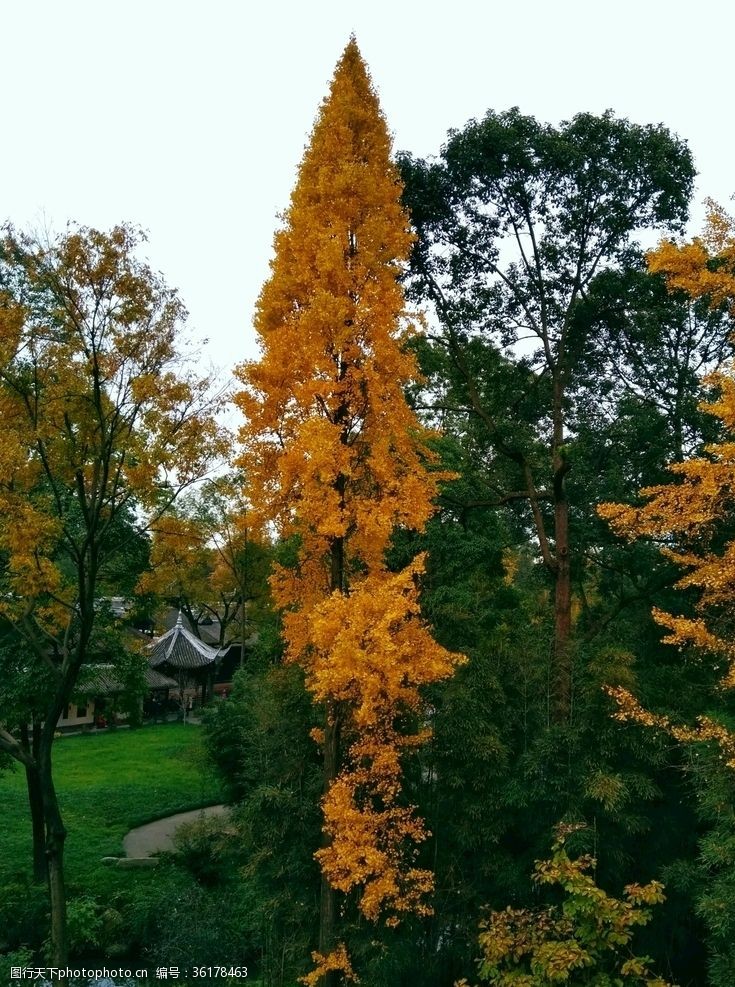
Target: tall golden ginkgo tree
pixel 335 458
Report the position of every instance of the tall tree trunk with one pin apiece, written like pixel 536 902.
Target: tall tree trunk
pixel 328 896
pixel 30 740
pixel 561 677
pixel 561 697
pixel 55 838
pixel 242 630
pixel 54 825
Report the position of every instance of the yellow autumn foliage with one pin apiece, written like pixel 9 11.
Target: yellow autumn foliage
pixel 684 514
pixel 587 938
pixel 335 458
pixel 92 419
pixel 336 960
pixel 706 265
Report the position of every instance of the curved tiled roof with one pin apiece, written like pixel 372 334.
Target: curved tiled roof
pixel 101 680
pixel 154 680
pixel 179 648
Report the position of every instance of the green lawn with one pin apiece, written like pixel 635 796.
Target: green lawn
pixel 107 784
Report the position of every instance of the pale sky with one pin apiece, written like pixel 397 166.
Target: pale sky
pixel 189 118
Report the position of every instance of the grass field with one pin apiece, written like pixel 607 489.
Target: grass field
pixel 108 783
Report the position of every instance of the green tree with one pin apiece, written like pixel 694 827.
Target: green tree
pixel 495 777
pixel 259 740
pixel 688 517
pixel 514 222
pixel 584 940
pixel 99 416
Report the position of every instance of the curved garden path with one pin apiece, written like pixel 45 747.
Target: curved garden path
pixel 157 837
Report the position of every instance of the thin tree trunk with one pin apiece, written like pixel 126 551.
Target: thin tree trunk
pixel 328 896
pixel 30 740
pixel 561 677
pixel 35 801
pixel 562 670
pixel 242 631
pixel 55 838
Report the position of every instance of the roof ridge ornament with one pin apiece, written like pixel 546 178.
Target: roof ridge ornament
pixel 180 648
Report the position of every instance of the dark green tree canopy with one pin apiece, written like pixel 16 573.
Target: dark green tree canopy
pixel 515 221
pixel 517 217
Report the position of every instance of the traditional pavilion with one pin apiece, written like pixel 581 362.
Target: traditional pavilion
pixel 181 654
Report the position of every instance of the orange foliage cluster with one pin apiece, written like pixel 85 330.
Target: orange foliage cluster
pixel 184 564
pixel 335 457
pixel 705 729
pixel 706 266
pixel 370 650
pixel 337 960
pixel 686 512
pixel 326 401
